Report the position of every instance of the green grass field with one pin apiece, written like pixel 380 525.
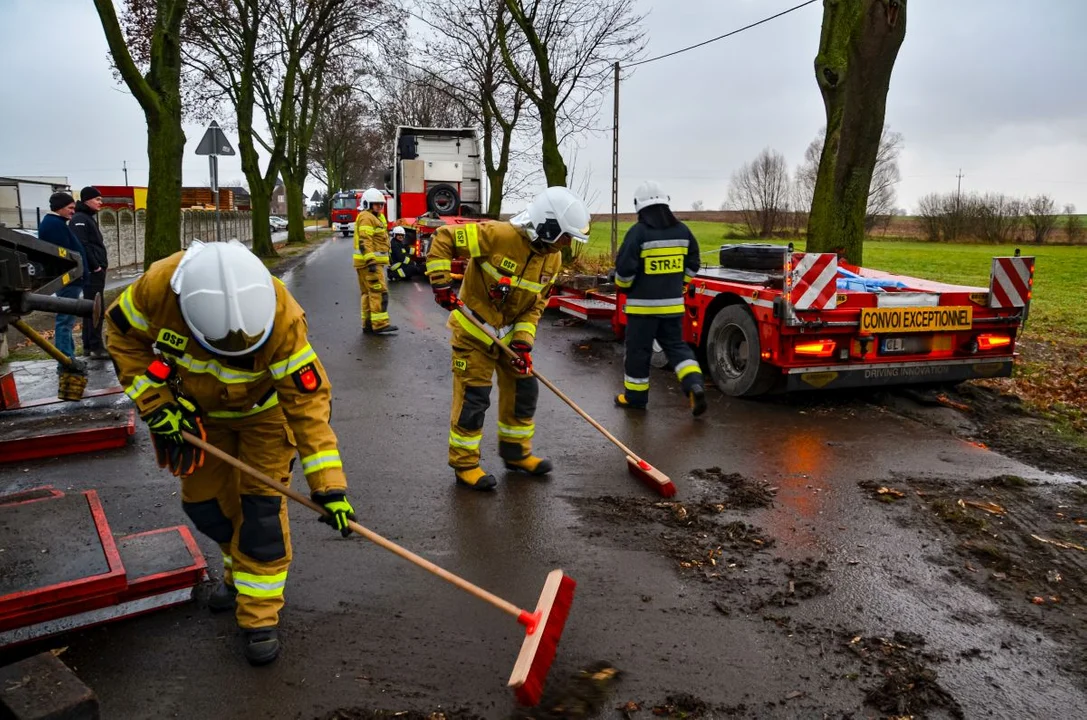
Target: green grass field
pixel 1060 273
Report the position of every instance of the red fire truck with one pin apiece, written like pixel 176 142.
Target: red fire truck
pixel 345 208
pixel 769 318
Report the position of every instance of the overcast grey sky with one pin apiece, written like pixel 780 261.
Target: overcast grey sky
pixel 995 87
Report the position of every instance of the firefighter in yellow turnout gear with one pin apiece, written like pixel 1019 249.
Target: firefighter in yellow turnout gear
pixel 208 342
pixel 370 259
pixel 510 267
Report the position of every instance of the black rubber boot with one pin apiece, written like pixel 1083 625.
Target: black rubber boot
pixel 530 465
pixel 368 329
pixel 261 646
pixel 387 330
pixel 698 400
pixel 222 598
pixel 475 478
pixel 621 401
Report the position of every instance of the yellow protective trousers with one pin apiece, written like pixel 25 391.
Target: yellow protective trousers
pixel 247 518
pixel 375 297
pixel 473 370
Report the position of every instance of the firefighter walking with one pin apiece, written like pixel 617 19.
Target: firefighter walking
pixel 370 259
pixel 206 341
pixel 657 260
pixel 510 267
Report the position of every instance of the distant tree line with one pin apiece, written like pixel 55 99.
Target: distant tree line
pixel 995 218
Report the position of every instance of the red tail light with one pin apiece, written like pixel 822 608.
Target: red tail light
pixel 993 342
pixel 816 348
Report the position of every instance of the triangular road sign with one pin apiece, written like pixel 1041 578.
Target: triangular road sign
pixel 214 142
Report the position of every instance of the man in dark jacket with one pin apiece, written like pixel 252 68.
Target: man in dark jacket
pixel 54 229
pixel 84 225
pixel 658 258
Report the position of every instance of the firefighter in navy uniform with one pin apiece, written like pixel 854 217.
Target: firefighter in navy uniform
pixel 370 259
pixel 657 260
pixel 208 342
pixel 510 267
pixel 401 266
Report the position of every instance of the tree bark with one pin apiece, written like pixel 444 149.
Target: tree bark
pixel 857 51
pixel 554 166
pixel 296 208
pixel 159 94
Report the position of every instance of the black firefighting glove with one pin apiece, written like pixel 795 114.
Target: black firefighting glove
pixel 444 296
pixel 523 363
pixel 339 510
pixel 171 451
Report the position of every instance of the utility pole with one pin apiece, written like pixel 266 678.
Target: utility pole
pixel 124 166
pixel 958 192
pixel 615 169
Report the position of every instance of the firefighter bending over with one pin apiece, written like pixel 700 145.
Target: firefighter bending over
pixel 510 267
pixel 208 342
pixel 401 267
pixel 370 259
pixel 657 260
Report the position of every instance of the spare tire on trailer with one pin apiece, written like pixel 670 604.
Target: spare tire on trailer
pixel 443 199
pixel 753 256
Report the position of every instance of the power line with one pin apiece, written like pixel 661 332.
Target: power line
pixel 721 37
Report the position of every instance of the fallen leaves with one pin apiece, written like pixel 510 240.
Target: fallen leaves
pixel 989 507
pixel 1060 543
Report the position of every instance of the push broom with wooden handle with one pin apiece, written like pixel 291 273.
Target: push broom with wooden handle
pixel 639 468
pixel 543 628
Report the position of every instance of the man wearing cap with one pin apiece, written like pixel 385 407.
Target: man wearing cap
pixel 84 225
pixel 54 229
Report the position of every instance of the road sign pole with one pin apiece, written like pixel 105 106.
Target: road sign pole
pixel 213 164
pixel 214 144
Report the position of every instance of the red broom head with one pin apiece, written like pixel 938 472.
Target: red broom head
pixel 653 478
pixel 538 650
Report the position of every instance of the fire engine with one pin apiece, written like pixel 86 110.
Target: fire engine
pixel 770 318
pixel 345 208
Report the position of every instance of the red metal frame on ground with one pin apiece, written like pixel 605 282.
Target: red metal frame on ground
pixel 95 439
pixel 47 603
pixel 41 402
pixel 169 579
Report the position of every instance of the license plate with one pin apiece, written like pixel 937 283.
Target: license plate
pixel 904 345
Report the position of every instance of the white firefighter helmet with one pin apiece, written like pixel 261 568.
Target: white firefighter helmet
pixel 372 197
pixel 398 230
pixel 553 213
pixel 226 295
pixel 649 193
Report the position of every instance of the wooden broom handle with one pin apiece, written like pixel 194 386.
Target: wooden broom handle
pixel 562 396
pixel 370 535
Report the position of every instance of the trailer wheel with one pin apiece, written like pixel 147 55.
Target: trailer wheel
pixel 443 199
pixel 734 354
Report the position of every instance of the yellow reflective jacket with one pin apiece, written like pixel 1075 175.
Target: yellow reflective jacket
pixel 495 250
pixel 371 239
pixel 145 322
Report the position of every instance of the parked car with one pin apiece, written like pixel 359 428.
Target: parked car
pixel 276 224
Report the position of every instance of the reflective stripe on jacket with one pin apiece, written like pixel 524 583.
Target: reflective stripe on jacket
pixel 371 240
pixel 284 371
pixel 653 267
pixel 495 250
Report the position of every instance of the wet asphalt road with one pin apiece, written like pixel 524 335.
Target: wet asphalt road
pixel 363 628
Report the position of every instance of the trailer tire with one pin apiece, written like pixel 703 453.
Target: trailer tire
pixel 443 199
pixel 734 354
pixel 753 256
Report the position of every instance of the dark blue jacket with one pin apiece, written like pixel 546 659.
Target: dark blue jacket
pixel 54 229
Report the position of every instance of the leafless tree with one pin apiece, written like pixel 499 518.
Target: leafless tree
pixel 882 192
pixel 1041 215
pixel 463 58
pixel 930 209
pixel 348 150
pixel 145 46
pixel 259 57
pixel 698 206
pixel 992 218
pixel 561 54
pixel 760 190
pixel 1073 225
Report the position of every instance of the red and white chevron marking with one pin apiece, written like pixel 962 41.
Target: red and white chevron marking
pixel 815 281
pixel 1011 281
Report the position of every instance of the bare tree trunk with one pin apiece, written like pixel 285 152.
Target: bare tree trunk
pixel 554 166
pixel 261 211
pixel 296 208
pixel 857 51
pixel 159 94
